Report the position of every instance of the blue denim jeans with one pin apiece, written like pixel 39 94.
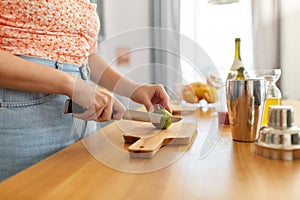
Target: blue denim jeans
pixel 33 125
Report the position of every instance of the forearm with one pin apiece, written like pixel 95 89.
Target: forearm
pixel 107 77
pixel 147 94
pixel 17 73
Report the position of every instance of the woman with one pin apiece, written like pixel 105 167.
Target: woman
pixel 47 55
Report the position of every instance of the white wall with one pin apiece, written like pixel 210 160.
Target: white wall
pixel 290 49
pixel 123 20
pixel 127 15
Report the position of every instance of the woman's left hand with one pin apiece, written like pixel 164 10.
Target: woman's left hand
pixel 150 95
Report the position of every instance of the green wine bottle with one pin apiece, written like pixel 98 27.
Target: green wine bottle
pixel 237 70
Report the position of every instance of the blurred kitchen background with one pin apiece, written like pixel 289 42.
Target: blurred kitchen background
pixel 269 32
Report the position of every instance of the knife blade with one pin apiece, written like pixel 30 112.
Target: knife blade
pixel 136 115
pixel 71 107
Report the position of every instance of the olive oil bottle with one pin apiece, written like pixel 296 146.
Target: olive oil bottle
pixel 237 70
pixel 273 95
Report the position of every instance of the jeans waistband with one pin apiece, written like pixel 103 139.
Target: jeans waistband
pixel 19 98
pixel 50 63
pixel 83 69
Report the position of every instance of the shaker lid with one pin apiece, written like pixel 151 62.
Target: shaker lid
pixel 281 116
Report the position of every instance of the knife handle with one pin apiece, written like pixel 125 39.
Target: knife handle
pixel 71 107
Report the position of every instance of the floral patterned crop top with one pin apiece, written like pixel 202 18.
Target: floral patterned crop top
pixel 61 30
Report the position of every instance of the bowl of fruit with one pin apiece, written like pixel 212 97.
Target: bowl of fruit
pixel 196 92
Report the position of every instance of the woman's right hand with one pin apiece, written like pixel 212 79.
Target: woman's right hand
pixel 98 104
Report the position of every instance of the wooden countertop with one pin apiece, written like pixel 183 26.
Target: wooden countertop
pixel 212 167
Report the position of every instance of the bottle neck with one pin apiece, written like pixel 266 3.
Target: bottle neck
pixel 237 70
pixel 237 62
pixel 237 50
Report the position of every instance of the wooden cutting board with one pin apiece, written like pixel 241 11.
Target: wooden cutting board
pixel 147 140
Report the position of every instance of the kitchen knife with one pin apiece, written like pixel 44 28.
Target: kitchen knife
pixel 129 114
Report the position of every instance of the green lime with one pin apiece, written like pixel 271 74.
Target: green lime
pixel 165 121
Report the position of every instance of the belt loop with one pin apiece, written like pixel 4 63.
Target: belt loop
pixel 88 70
pixel 59 65
pixel 85 71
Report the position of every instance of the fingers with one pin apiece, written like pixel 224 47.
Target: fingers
pixel 85 116
pixel 152 94
pixel 97 103
pixel 119 110
pixel 98 108
pixel 104 111
pixel 149 105
pixel 165 99
pixel 161 97
pixel 105 115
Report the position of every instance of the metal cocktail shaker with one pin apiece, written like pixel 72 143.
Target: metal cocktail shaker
pixel 245 103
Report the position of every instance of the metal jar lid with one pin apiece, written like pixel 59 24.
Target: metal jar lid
pixel 281 116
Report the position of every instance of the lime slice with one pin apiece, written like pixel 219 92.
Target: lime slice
pixel 165 121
